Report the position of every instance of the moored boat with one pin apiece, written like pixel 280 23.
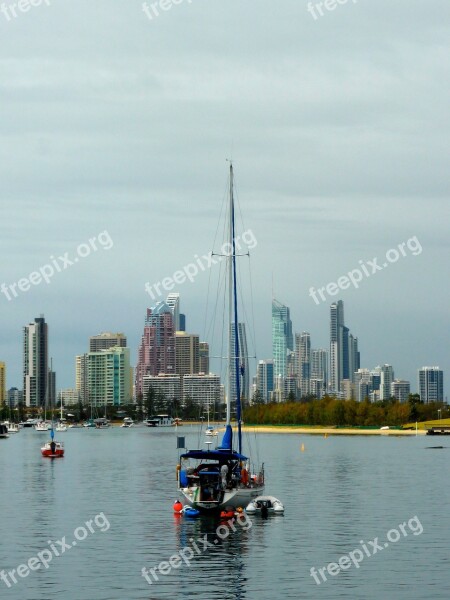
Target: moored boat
pixel 53 449
pixel 265 505
pixel 217 480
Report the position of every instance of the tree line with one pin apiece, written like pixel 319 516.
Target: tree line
pixel 330 411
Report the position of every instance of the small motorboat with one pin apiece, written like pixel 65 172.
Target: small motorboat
pixel 56 452
pixel 265 505
pixel 75 426
pixel 211 432
pixel 127 422
pixel 61 427
pixel 89 424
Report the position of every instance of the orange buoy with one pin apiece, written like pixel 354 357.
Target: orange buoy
pixel 177 507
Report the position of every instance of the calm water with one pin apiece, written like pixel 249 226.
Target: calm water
pixel 337 492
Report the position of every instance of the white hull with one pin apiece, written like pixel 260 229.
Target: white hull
pixel 235 498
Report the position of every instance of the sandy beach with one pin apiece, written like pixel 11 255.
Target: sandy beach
pixel 330 430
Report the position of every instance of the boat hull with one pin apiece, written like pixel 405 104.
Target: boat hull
pixel 235 498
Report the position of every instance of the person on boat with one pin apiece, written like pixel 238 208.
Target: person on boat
pixel 244 476
pixel 224 475
pixel 53 447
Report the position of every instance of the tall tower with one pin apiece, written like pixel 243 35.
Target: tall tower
pixel 81 378
pixel 336 345
pixel 35 362
pixel 305 363
pixel 282 339
pixel 187 353
pixel 431 384
pixel 156 352
pixel 387 377
pixel 173 302
pixel 265 380
pixel 243 360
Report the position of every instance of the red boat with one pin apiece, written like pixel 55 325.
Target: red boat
pixel 48 452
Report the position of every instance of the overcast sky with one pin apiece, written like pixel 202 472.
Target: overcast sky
pixel 338 127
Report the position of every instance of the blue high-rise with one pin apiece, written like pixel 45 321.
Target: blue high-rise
pixel 282 338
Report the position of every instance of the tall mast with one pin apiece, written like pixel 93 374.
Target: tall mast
pixel 235 309
pixel 230 301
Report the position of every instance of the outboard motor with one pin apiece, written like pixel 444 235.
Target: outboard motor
pixel 264 509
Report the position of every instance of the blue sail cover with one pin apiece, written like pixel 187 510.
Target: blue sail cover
pixel 227 440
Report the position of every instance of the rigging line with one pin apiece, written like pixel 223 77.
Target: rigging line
pixel 214 243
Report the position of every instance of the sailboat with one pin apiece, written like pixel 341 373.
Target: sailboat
pixel 52 449
pixel 61 426
pixel 214 480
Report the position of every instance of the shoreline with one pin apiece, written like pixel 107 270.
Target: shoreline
pixel 286 429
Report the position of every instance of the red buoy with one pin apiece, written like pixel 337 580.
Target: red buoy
pixel 177 507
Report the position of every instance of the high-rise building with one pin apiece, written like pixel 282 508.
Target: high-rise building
pixel 318 387
pixel 109 380
pixel 375 379
pixel 362 384
pixel 282 338
pixel 344 354
pixel 168 386
pixel 15 397
pixel 182 322
pixel 243 362
pixel 387 377
pixel 431 384
pixel 265 379
pixel 69 397
pixel 400 390
pixel 336 345
pixel 106 340
pixel 305 364
pixel 81 378
pixel 353 356
pixel 35 362
pixel 173 302
pixel 157 349
pixel 203 357
pixel 187 353
pixel 319 365
pixel 3 396
pixel 202 390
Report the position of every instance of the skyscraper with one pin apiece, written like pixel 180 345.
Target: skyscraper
pixel 243 360
pixel 344 354
pixel 387 377
pixel 35 362
pixel 282 338
pixel 106 340
pixel 156 352
pixel 187 353
pixel 431 384
pixel 336 345
pixel 265 379
pixel 400 390
pixel 305 364
pixel 319 372
pixel 2 383
pixel 109 380
pixel 173 302
pixel 81 378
